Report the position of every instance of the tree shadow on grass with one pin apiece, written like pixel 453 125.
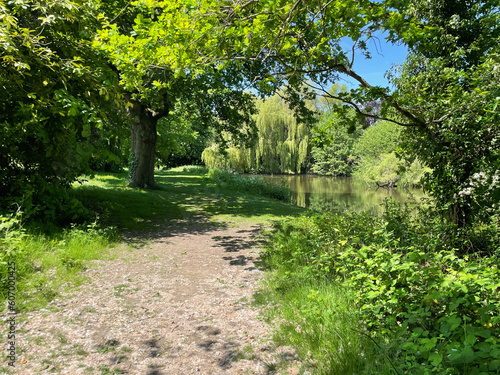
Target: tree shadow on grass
pixel 177 189
pixel 182 203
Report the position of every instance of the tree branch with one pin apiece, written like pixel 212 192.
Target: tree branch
pixel 357 108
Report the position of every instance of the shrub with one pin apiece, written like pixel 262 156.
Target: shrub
pixel 195 169
pixel 430 306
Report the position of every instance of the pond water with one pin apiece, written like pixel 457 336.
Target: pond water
pixel 322 193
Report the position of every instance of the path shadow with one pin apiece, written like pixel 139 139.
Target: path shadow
pixel 244 239
pixel 233 244
pixel 154 349
pixel 154 370
pixel 170 229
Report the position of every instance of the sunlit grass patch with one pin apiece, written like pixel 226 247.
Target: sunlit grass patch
pixel 47 263
pixel 251 185
pixel 320 322
pixel 182 193
pixel 105 180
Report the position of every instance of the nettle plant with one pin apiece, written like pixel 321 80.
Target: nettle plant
pixel 11 235
pixel 429 307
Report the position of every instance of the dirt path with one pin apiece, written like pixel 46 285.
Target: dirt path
pixel 178 304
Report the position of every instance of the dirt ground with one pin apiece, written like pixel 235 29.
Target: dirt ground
pixel 178 303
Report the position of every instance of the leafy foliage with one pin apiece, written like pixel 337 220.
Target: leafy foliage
pixel 282 145
pixel 335 157
pixel 37 258
pixel 462 145
pixel 55 92
pixel 441 99
pixel 181 139
pixel 378 162
pixel 164 79
pixel 429 307
pixel 451 83
pixel 381 138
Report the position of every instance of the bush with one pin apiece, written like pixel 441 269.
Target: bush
pixel 429 305
pixel 381 171
pixel 332 148
pixel 195 169
pixel 11 235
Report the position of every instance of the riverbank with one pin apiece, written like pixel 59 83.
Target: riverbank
pixel 404 292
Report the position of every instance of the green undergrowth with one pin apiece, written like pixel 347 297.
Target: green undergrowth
pixel 184 193
pixel 50 256
pixel 37 266
pixel 319 320
pixel 398 293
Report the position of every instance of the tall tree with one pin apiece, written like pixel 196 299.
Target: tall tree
pixel 159 71
pixel 451 82
pixel 282 145
pixel 299 43
pixel 332 147
pixel 448 94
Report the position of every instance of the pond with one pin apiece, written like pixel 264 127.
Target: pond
pixel 323 193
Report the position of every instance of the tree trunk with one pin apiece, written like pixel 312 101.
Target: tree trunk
pixel 143 139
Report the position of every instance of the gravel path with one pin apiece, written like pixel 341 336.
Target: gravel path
pixel 179 303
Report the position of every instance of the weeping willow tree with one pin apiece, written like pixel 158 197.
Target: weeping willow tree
pixel 282 145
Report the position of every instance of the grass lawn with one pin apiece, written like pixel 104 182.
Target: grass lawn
pixel 183 193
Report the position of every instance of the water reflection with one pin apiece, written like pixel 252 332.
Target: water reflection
pixel 323 194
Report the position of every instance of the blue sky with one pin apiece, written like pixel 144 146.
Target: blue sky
pixel 384 56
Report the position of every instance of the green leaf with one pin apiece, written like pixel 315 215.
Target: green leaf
pixel 470 339
pixel 435 359
pixel 86 131
pixel 494 365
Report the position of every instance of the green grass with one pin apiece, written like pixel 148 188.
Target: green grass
pixel 320 321
pixel 252 184
pixel 50 259
pixel 397 293
pixel 46 264
pixel 182 194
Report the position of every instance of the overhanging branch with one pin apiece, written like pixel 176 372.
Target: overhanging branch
pixel 357 108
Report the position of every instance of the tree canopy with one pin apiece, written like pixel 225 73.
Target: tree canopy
pixel 282 145
pixel 80 64
pixel 446 96
pixel 160 75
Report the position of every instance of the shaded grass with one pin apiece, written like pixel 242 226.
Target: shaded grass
pixel 49 259
pixel 320 321
pixel 181 195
